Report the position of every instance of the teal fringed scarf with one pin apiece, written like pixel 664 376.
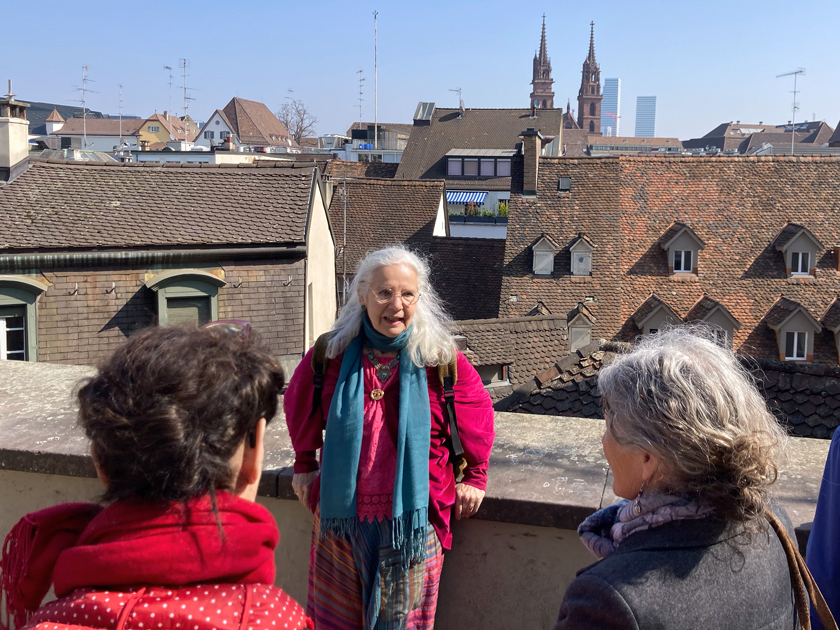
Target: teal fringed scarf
pixel 343 444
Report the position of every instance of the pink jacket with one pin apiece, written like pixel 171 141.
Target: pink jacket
pixel 475 427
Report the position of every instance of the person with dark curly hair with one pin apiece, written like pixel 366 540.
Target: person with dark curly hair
pixel 176 420
pixel 692 448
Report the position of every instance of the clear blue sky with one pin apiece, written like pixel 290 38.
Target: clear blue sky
pixel 707 62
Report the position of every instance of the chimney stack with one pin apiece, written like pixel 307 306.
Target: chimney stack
pixel 531 148
pixel 14 137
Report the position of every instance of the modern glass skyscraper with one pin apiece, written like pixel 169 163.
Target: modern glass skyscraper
pixel 611 105
pixel 645 116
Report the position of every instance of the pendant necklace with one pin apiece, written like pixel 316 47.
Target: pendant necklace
pixel 383 371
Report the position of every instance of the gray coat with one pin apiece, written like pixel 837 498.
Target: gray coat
pixel 684 575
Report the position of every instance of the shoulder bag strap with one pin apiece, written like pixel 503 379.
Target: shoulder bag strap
pixel 802 580
pixel 448 375
pixel 319 368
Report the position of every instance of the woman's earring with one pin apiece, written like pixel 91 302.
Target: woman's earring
pixel 637 502
pixel 364 308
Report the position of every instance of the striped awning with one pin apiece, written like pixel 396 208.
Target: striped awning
pixel 462 196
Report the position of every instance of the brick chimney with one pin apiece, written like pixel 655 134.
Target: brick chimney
pixel 14 137
pixel 531 149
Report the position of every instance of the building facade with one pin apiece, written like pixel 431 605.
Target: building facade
pixel 611 108
pixel 645 116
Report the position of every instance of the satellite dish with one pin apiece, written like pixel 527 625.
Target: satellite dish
pixel 171 137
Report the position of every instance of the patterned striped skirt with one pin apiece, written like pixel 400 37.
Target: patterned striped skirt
pixel 362 584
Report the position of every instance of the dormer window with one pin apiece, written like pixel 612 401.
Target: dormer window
pixel 544 251
pixel 654 314
pixel 564 184
pixel 581 252
pixel 682 260
pixel 795 329
pixel 711 312
pixel 682 246
pixel 478 162
pixel 800 249
pixel 579 323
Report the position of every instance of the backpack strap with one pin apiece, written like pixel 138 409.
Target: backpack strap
pixel 319 368
pixel 448 375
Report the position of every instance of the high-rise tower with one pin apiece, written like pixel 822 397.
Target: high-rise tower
pixel 542 95
pixel 589 96
pixel 645 116
pixel 611 108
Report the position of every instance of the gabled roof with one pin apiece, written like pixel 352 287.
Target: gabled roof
pixel 100 127
pixel 581 238
pixel 705 307
pixel 174 125
pixel 674 231
pixel 785 308
pixel 545 237
pixel 54 116
pixel 382 212
pixel 63 205
pixel 789 233
pixel 423 157
pixel 581 310
pixel 650 307
pixel 253 123
pixel 831 317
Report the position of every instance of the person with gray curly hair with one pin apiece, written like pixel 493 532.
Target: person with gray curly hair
pixel 386 482
pixel 693 451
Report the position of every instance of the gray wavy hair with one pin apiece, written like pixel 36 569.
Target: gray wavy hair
pixel 688 400
pixel 430 342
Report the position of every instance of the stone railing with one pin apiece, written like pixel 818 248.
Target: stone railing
pixel 509 565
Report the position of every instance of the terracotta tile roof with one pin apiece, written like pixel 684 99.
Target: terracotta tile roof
pixel 624 204
pixel 789 232
pixel 674 230
pixel 649 307
pixel 423 157
pixel 100 127
pixel 804 398
pixel 782 310
pixel 59 204
pixel 382 212
pixel 253 123
pixel 529 345
pixel 340 168
pixel 54 116
pixel 467 273
pixel 745 136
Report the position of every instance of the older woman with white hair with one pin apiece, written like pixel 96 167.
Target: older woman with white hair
pixel 693 449
pixel 385 485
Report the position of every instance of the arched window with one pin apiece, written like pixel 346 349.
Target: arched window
pixel 19 318
pixel 186 297
pixel 591 109
pixel 591 126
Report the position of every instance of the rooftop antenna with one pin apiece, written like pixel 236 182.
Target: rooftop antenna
pixel 375 87
pixel 361 81
pixel 84 89
pixel 184 64
pixel 121 140
pixel 170 86
pixel 460 100
pixel 795 74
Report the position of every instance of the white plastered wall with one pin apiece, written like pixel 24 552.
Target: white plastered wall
pixel 320 272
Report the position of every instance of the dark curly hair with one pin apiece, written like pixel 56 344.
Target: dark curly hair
pixel 167 411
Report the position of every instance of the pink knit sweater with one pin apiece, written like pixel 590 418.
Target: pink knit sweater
pixel 475 426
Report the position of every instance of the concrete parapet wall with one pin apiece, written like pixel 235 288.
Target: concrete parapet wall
pixel 509 566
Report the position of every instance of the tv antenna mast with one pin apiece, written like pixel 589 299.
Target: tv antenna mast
pixel 84 89
pixel 375 88
pixel 121 140
pixel 170 86
pixel 361 81
pixel 184 64
pixel 795 75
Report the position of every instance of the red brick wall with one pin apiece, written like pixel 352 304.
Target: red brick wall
pixel 82 327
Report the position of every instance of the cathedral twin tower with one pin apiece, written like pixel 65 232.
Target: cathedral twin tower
pixel 589 95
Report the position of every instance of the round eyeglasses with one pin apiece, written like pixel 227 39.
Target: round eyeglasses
pixel 384 296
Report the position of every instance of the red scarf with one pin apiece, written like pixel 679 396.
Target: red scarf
pixel 133 543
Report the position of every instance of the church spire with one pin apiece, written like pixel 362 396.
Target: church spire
pixel 589 96
pixel 543 51
pixel 591 56
pixel 542 96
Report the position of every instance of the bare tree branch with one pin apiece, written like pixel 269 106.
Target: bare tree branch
pixel 297 119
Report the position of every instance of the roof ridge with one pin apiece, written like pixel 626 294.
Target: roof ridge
pixel 262 165
pixel 509 320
